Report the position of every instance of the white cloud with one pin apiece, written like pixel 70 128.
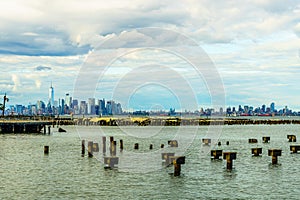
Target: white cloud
pixel 250 42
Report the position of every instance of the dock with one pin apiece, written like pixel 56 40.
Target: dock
pixel 24 125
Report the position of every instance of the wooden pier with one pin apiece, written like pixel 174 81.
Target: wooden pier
pixel 24 125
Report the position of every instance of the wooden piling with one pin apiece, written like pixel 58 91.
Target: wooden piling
pixel 292 138
pixel 295 148
pixel 104 145
pixel 136 146
pixel 177 161
pixel 151 146
pixel 173 143
pixel 274 153
pixel 90 149
pixel 95 147
pixel 110 162
pixel 252 140
pixel 49 130
pixel 229 156
pixel 82 148
pixel 215 154
pixel 162 146
pixel 256 151
pixel 46 149
pixel 206 141
pixel 266 139
pixel 121 145
pixel 113 149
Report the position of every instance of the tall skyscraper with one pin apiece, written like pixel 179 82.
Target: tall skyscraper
pixel 51 95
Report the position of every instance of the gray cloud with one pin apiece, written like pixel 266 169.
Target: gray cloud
pixel 42 68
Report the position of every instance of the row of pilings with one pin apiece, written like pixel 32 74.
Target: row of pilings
pixel 175 121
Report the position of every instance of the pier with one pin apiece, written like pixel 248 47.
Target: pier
pixel 174 121
pixel 24 125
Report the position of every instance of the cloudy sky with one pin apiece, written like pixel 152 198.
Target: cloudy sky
pixel 247 51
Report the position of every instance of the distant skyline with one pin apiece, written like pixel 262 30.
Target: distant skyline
pixel 254 46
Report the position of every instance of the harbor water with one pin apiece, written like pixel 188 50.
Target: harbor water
pixel 27 173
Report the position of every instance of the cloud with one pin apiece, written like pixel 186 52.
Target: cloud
pixel 253 44
pixel 42 68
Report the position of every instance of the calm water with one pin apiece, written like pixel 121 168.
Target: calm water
pixel 26 173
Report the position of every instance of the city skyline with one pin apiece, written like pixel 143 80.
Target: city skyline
pixel 253 46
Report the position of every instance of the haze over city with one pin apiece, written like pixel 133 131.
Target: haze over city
pixel 253 45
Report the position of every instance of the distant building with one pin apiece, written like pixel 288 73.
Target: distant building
pixel 51 95
pixel 272 107
pixel 91 106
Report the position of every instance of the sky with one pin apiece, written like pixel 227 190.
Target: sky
pixel 152 54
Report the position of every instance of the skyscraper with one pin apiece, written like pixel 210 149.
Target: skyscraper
pixel 272 107
pixel 51 95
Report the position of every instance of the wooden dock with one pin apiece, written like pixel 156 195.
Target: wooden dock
pixel 25 125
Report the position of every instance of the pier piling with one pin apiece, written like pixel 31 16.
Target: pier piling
pixel 82 148
pixel 266 139
pixel 90 149
pixel 229 157
pixel 121 145
pixel 46 149
pixel 256 151
pixel 294 148
pixel 110 162
pixel 206 141
pixel 252 140
pixel 173 143
pixel 292 138
pixel 274 153
pixel 104 145
pixel 215 154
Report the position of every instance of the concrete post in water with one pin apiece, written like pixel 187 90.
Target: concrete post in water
pixel 294 148
pixel 266 139
pixel 151 146
pixel 82 148
pixel 136 146
pixel 104 145
pixel 229 157
pixel 173 143
pixel 252 140
pixel 46 149
pixel 292 138
pixel 90 149
pixel 206 141
pixel 110 162
pixel 95 147
pixel 256 151
pixel 121 145
pixel 274 153
pixel 215 154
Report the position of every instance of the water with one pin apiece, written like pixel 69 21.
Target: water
pixel 26 173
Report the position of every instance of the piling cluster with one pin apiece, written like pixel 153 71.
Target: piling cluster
pixel 256 151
